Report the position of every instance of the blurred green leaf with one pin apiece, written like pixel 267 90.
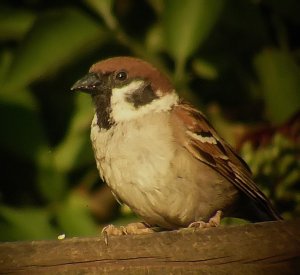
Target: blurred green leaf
pixel 187 24
pixel 205 69
pixel 15 23
pixel 235 221
pixel 279 75
pixel 6 57
pixel 22 98
pixel 52 183
pixel 74 217
pixel 68 152
pixel 154 39
pixel 105 9
pixel 25 224
pixel 23 133
pixel 56 38
pixel 276 170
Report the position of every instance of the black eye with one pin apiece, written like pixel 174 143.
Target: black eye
pixel 121 76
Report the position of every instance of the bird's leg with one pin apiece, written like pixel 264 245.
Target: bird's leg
pixel 214 221
pixel 129 229
pixel 137 228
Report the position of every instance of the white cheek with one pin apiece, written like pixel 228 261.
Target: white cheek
pixel 122 110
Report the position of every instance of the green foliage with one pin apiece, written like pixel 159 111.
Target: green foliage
pixel 52 42
pixel 279 75
pixel 74 217
pixel 25 223
pixel 276 168
pixel 15 23
pixel 240 56
pixel 20 110
pixel 187 24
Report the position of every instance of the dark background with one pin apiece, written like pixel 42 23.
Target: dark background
pixel 236 60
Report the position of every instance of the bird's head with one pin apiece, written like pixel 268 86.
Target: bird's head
pixel 126 88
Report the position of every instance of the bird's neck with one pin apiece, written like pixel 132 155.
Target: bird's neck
pixel 103 110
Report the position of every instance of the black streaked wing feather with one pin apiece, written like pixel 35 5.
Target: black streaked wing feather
pixel 215 152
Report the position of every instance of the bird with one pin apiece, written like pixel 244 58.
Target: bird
pixel 161 156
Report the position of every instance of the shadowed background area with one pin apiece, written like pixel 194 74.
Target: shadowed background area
pixel 237 61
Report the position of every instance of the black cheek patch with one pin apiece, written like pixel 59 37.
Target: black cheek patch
pixel 102 103
pixel 142 96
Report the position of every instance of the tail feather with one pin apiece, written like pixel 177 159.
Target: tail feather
pixel 257 213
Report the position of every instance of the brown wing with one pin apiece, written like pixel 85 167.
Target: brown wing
pixel 203 142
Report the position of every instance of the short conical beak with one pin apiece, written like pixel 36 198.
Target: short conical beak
pixel 89 83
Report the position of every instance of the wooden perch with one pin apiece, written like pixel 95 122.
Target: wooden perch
pixel 262 248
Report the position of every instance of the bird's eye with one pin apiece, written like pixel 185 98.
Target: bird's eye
pixel 121 76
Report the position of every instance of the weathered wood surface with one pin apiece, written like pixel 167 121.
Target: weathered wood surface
pixel 262 248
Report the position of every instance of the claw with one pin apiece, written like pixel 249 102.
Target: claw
pixel 130 229
pixel 214 221
pixel 111 230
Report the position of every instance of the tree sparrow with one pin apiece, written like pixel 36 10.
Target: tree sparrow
pixel 160 155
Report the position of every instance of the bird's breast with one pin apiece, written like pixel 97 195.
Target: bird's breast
pixel 145 167
pixel 134 157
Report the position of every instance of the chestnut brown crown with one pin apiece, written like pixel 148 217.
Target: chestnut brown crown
pixel 135 69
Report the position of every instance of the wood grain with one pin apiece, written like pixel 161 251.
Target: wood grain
pixel 261 248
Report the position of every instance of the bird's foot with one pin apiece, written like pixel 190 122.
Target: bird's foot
pixel 214 221
pixel 130 229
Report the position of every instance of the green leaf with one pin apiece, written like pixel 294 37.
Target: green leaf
pixel 105 9
pixel 56 39
pixel 205 69
pixel 22 98
pixel 51 182
pixel 187 24
pixel 74 217
pixel 155 38
pixel 279 77
pixel 6 57
pixel 25 224
pixel 14 23
pixel 68 154
pixel 22 129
